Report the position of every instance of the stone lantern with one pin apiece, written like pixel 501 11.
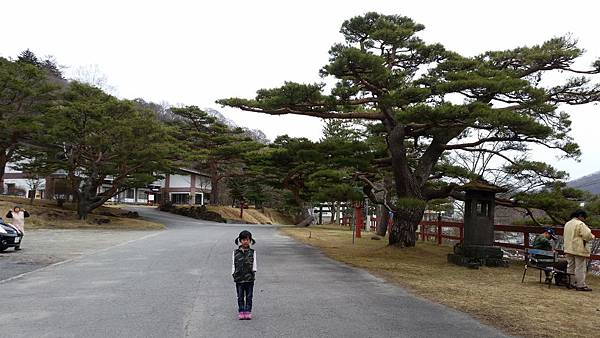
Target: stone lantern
pixel 478 245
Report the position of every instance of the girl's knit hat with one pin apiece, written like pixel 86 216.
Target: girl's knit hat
pixel 245 235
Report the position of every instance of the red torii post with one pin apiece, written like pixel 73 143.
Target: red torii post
pixel 358 219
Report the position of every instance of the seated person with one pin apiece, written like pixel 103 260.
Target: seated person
pixel 542 242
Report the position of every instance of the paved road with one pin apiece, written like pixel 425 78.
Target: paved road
pixel 177 283
pixel 45 247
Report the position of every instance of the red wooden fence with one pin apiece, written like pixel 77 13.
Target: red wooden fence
pixel 424 233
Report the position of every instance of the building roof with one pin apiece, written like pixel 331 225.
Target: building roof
pixel 192 171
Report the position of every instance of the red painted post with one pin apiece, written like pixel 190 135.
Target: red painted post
pixel 462 234
pixel 526 239
pixel 359 220
pixel 423 229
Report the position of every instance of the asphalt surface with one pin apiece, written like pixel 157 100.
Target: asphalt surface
pixel 177 283
pixel 44 247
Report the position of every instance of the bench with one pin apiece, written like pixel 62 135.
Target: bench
pixel 543 260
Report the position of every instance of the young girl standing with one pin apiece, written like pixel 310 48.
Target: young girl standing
pixel 243 269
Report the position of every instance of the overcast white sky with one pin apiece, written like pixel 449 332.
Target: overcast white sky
pixel 193 52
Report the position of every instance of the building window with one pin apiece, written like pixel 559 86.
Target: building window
pixel 180 198
pixel 130 193
pixel 206 198
pixel 10 188
pixel 198 199
pixel 142 195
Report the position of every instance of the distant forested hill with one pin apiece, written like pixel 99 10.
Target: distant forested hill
pixel 589 183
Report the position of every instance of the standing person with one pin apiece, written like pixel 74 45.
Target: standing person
pixel 576 236
pixel 243 270
pixel 17 216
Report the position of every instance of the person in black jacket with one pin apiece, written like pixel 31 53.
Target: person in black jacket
pixel 243 270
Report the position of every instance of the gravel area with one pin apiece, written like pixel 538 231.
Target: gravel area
pixel 44 247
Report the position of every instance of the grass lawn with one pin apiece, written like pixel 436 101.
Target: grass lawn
pixel 46 215
pixel 495 296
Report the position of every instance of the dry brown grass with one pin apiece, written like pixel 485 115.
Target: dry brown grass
pixel 253 216
pixel 46 215
pixel 493 295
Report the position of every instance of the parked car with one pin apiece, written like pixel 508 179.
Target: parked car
pixel 9 236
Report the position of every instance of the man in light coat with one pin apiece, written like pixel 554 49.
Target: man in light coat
pixel 576 236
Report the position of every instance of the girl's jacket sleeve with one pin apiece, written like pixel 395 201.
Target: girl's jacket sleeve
pixel 233 262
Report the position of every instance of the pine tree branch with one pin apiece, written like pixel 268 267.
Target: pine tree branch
pixel 321 114
pixel 484 140
pixel 482 150
pixel 370 187
pixel 446 191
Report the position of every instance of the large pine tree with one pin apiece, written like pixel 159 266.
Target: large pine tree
pixel 431 102
pixel 216 147
pixel 26 91
pixel 96 138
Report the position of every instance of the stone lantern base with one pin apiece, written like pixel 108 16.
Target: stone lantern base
pixel 474 256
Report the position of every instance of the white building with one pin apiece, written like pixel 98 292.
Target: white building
pixel 186 187
pixel 19 184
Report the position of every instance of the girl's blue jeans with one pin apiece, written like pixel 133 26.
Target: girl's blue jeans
pixel 244 296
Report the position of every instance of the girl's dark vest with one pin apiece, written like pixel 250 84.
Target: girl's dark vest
pixel 243 260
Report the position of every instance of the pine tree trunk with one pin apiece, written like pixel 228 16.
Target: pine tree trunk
pixel 333 213
pixel 302 215
pixel 382 221
pixel 86 199
pixel 82 208
pixel 214 193
pixel 410 205
pixel 304 218
pixel 3 161
pixel 406 222
pixel 214 184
